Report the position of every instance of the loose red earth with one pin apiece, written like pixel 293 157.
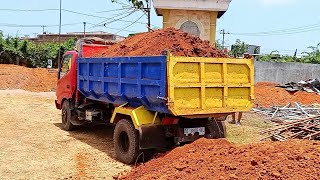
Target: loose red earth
pixel 30 79
pixel 153 43
pixel 219 159
pixel 268 95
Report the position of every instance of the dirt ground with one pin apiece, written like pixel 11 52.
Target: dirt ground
pixel 34 147
pixel 220 159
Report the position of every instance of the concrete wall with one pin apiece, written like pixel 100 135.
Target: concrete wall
pixel 285 72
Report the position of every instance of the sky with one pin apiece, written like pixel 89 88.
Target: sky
pixel 283 25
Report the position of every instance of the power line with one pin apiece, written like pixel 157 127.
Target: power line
pixel 105 22
pixel 113 19
pixel 114 10
pixel 35 25
pixel 275 34
pixel 29 10
pixel 129 25
pixel 112 28
pixel 290 29
pixel 109 20
pixel 69 11
pixel 295 30
pixel 282 50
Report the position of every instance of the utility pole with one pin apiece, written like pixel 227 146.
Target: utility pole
pixel 223 32
pixel 59 40
pixel 295 53
pixel 84 29
pixel 148 12
pixel 43 29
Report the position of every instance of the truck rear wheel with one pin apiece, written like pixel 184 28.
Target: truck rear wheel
pixel 221 129
pixel 217 128
pixel 66 116
pixel 126 142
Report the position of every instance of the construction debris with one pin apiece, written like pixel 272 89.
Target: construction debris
pixel 294 122
pixel 310 86
pixel 307 128
pixel 289 112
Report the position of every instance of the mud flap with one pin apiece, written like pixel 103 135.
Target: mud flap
pixel 216 129
pixel 152 137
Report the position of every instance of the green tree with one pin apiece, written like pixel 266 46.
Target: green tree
pixel 313 56
pixel 238 49
pixel 14 50
pixel 135 3
pixel 219 45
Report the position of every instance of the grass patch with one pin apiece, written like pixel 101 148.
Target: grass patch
pixel 248 131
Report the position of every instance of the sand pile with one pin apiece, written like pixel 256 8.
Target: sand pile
pixel 30 79
pixel 218 159
pixel 268 95
pixel 154 43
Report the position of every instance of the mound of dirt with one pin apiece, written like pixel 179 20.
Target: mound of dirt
pixel 177 42
pixel 268 95
pixel 30 79
pixel 218 159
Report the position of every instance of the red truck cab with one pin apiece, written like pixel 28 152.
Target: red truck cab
pixel 67 77
pixel 67 83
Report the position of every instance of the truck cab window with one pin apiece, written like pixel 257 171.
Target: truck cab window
pixel 66 65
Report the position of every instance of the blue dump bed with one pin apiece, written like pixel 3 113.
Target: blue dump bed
pixel 136 81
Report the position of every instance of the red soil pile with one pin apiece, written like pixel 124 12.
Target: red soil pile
pixel 154 43
pixel 268 95
pixel 30 79
pixel 218 159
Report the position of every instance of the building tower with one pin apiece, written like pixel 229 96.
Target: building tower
pixel 198 17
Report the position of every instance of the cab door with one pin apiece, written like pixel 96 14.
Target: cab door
pixel 67 83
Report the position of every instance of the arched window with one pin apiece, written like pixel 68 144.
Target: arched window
pixel 190 27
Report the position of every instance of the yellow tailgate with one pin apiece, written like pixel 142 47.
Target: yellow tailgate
pixel 203 86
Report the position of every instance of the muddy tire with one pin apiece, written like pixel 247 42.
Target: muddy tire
pixel 126 142
pixel 217 128
pixel 66 117
pixel 221 129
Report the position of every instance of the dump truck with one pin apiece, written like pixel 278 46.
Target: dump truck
pixel 153 102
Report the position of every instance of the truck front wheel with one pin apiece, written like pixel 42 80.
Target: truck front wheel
pixel 126 142
pixel 66 116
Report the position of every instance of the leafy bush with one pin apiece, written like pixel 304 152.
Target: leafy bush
pixel 312 56
pixel 14 50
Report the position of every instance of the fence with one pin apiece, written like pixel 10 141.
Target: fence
pixel 285 72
